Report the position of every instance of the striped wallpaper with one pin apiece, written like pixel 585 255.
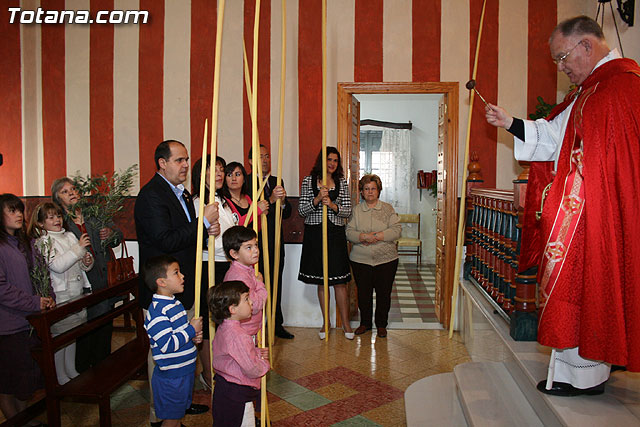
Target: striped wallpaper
pixel 94 98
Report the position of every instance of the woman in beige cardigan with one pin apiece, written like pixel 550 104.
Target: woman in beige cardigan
pixel 373 229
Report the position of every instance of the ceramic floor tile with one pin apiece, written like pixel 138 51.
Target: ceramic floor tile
pixel 273 378
pixel 282 409
pixel 355 422
pixel 292 370
pixel 287 390
pixel 388 414
pixel 335 391
pixel 308 400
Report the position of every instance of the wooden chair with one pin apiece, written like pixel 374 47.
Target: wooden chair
pixel 410 245
pixel 97 383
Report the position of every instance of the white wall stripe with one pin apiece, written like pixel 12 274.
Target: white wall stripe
pixel 276 59
pixel 289 159
pixel 341 18
pixel 512 92
pixel 231 83
pixel 77 94
pixel 454 61
pixel 31 60
pixel 397 41
pixel 125 92
pixel 290 172
pixel 176 86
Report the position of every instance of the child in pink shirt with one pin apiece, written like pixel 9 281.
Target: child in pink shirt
pixel 238 363
pixel 240 245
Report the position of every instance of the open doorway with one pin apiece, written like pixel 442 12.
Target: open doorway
pixel 358 101
pixel 398 140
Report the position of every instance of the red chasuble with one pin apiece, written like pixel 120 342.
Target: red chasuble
pixel 590 227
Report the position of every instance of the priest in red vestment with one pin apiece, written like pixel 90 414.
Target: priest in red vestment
pixel 587 245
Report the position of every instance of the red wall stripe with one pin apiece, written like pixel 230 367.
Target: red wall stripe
pixel 264 74
pixel 203 45
pixel 53 99
pixel 542 76
pixel 309 84
pixel 101 91
pixel 368 41
pixel 483 135
pixel 11 105
pixel 150 86
pixel 426 30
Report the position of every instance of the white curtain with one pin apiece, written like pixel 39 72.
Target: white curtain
pixel 395 168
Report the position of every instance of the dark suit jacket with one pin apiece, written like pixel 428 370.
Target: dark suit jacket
pixel 163 228
pixel 271 217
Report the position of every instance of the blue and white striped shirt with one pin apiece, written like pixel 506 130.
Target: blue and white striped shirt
pixel 170 337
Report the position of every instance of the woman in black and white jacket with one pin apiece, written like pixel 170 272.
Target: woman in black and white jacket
pixel 335 195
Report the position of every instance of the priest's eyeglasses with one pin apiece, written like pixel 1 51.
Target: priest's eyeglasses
pixel 560 59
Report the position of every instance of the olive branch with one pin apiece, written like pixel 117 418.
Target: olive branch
pixel 102 197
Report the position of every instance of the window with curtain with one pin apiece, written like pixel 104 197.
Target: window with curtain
pixel 387 153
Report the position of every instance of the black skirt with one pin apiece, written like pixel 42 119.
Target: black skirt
pixel 311 259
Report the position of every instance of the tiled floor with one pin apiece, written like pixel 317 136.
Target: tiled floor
pixel 339 382
pixel 412 297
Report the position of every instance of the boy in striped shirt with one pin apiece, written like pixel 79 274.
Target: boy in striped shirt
pixel 171 339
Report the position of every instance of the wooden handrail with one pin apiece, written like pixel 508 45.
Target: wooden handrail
pixel 493 247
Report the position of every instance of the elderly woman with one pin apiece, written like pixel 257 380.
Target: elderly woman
pixel 95 346
pixel 373 229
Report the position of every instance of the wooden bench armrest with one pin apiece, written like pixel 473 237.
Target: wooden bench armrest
pixel 63 310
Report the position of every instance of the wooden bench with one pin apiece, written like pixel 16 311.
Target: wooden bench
pixel 97 383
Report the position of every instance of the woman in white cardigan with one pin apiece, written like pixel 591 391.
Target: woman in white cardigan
pixel 226 221
pixel 68 260
pixel 373 229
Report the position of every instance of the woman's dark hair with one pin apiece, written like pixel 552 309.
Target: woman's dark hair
pixel 223 296
pixel 13 202
pixel 196 171
pixel 317 168
pixel 228 170
pixel 234 237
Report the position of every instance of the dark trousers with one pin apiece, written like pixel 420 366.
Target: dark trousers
pixel 229 400
pixel 93 347
pixel 378 277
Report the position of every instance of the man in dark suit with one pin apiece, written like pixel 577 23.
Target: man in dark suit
pixel 166 224
pixel 273 192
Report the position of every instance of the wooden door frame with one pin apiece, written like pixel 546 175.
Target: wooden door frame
pixel 451 100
